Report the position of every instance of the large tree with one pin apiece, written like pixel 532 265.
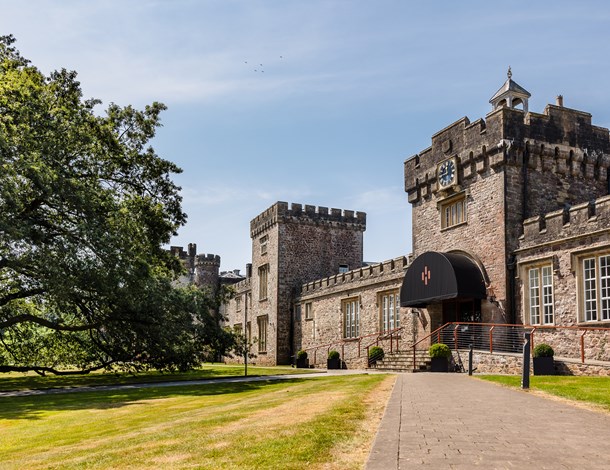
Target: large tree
pixel 85 207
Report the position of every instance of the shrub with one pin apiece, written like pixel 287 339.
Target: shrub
pixel 334 355
pixel 439 350
pixel 376 354
pixel 302 354
pixel 543 350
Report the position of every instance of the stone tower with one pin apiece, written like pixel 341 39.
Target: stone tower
pixel 473 188
pixel 207 268
pixel 291 246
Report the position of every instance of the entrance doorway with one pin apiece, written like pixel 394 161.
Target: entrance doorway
pixel 462 310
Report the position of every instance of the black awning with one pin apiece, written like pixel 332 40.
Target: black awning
pixel 435 276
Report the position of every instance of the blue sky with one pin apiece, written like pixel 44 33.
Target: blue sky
pixel 350 89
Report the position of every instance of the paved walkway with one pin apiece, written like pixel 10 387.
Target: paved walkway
pixel 183 383
pixel 455 421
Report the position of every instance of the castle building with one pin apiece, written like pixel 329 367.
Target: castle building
pixel 511 225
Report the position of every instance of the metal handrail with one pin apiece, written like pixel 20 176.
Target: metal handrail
pixel 499 326
pixel 383 336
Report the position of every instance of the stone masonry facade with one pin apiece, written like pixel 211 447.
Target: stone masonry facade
pixel 523 197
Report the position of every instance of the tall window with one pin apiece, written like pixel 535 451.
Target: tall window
pixel 453 211
pixel 263 272
pixel 262 333
pixel 389 315
pixel 249 332
pixel 596 288
pixel 308 311
pixel 351 318
pixel 541 310
pixel 238 303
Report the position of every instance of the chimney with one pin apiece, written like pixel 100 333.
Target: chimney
pixel 559 100
pixel 236 271
pixel 249 270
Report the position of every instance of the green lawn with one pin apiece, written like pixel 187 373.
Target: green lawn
pixel 291 424
pixel 19 381
pixel 594 390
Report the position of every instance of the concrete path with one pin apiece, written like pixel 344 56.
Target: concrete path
pixel 183 383
pixel 455 421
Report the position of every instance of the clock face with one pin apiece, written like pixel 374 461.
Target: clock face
pixel 446 173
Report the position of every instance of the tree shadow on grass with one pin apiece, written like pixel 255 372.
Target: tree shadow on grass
pixel 34 406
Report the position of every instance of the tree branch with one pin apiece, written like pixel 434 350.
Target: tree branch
pixel 41 369
pixel 43 322
pixel 24 294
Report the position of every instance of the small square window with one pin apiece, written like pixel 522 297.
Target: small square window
pixel 343 268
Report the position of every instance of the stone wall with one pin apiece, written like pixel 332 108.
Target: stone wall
pixel 561 239
pixel 324 330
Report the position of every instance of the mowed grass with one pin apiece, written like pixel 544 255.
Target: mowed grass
pixel 592 390
pixel 20 381
pixel 289 424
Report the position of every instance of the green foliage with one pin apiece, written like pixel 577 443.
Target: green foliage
pixel 334 354
pixel 301 354
pixel 85 207
pixel 376 353
pixel 439 350
pixel 543 350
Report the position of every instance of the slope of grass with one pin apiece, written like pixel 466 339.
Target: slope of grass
pixel 593 390
pixel 288 424
pixel 29 381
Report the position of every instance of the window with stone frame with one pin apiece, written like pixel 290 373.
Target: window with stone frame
pixel 540 300
pixel 263 273
pixel 343 268
pixel 308 311
pixel 238 303
pixel 262 323
pixel 453 210
pixel 351 317
pixel 389 310
pixel 263 243
pixel 595 287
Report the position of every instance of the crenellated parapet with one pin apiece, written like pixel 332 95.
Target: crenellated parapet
pixel 389 269
pixel 561 141
pixel 207 260
pixel 280 212
pixel 578 220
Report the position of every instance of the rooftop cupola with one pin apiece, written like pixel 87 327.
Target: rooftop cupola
pixel 510 94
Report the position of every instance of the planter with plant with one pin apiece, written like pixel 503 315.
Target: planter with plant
pixel 543 360
pixel 302 362
pixel 440 354
pixel 334 360
pixel 375 354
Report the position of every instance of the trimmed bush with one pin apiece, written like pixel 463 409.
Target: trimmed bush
pixel 334 355
pixel 302 355
pixel 376 354
pixel 439 350
pixel 543 350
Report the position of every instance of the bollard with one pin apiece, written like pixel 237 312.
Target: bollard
pixel 470 360
pixel 525 378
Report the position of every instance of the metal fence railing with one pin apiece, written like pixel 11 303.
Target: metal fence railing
pixel 577 342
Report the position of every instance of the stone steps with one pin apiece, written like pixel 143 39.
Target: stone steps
pixel 403 362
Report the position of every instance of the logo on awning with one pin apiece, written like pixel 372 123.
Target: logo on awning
pixel 425 275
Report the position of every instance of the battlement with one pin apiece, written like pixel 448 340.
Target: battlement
pixel 561 140
pixel 580 219
pixel 280 212
pixel 374 272
pixel 208 259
